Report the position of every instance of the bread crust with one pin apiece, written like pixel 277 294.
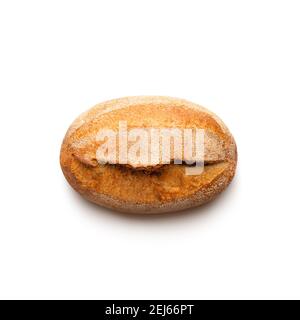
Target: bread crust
pixel 120 188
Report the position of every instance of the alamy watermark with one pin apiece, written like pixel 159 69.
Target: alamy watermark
pixel 145 147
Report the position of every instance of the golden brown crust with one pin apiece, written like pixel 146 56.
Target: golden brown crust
pixel 166 189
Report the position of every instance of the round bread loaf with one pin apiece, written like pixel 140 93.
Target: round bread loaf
pixel 144 187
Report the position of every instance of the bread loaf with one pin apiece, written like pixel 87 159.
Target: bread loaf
pixel 128 182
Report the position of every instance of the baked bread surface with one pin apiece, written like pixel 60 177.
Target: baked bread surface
pixel 144 189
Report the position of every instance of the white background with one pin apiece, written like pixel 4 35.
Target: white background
pixel 238 58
